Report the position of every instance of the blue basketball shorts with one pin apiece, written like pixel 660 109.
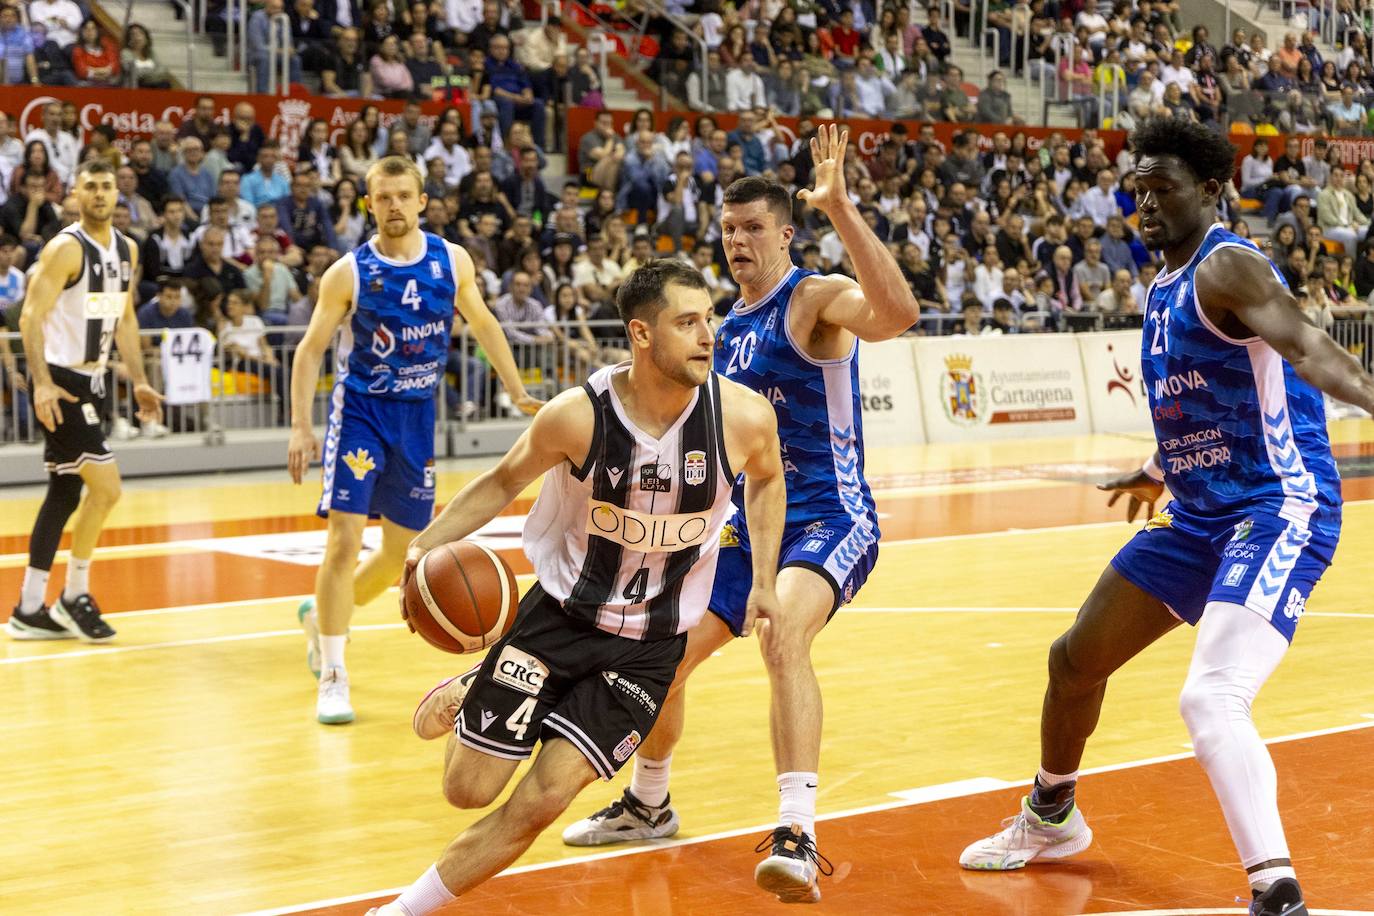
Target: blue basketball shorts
pixel 379 458
pixel 1255 559
pixel 841 550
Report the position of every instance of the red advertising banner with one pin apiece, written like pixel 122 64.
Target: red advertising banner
pixel 133 113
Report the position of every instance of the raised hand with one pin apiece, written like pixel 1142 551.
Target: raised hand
pixel 827 156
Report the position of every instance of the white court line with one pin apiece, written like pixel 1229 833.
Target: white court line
pixel 272 634
pixel 930 793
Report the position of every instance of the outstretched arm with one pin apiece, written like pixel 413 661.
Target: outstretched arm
pixel 1244 285
pixel 489 333
pixel 882 306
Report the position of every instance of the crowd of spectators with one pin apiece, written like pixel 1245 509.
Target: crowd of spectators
pixel 832 58
pixel 58 43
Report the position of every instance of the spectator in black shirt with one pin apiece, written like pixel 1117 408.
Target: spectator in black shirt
pixel 347 73
pixel 376 28
pixel 312 35
pixel 245 137
pixel 485 198
pixel 152 184
pixel 28 215
pixel 935 39
pixel 209 261
pixel 423 62
pixel 489 27
pixel 525 189
pixel 304 216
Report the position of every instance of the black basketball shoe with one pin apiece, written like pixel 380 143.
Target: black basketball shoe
pixel 82 619
pixel 35 625
pixel 790 871
pixel 1283 898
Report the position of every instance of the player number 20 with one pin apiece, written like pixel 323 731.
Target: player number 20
pixel 411 296
pixel 741 352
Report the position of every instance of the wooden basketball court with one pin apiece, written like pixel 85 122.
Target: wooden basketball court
pixel 180 770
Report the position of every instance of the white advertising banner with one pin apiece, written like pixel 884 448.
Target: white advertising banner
pixel 887 391
pixel 1116 390
pixel 1003 387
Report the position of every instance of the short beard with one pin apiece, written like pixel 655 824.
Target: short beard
pixel 680 373
pixel 389 229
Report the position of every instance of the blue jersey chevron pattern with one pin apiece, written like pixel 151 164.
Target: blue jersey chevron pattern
pixel 1236 427
pixel 1256 510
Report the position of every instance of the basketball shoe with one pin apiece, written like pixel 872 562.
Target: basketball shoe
pixel 627 818
pixel 437 712
pixel 82 619
pixel 791 869
pixel 332 706
pixel 390 909
pixel 1283 898
pixel 1025 838
pixel 35 625
pixel 310 623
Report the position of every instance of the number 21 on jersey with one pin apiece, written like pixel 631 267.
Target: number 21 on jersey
pixel 1160 343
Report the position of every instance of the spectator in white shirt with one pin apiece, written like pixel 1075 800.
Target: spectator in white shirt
pixel 62 17
pixel 872 88
pixel 1099 201
pixel 11 150
pixel 1092 275
pixel 63 150
pixel 987 278
pixel 457 161
pixel 462 16
pixel 744 89
pixel 1176 71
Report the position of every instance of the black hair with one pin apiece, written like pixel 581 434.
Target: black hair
pixel 1205 153
pixel 748 190
pixel 97 166
pixel 167 281
pixel 642 293
pixel 172 199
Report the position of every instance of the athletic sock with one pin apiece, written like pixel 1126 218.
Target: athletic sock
pixel 1260 880
pixel 798 802
pixel 427 894
pixel 34 590
pixel 78 579
pixel 332 651
pixel 649 783
pixel 1052 797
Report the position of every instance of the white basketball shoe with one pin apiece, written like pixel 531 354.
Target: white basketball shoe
pixel 438 711
pixel 793 867
pixel 627 818
pixel 332 706
pixel 1026 838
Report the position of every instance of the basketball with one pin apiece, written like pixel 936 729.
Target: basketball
pixel 462 597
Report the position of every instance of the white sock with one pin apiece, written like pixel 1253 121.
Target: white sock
pixel 798 802
pixel 1050 780
pixel 649 783
pixel 78 579
pixel 1260 880
pixel 426 895
pixel 35 589
pixel 332 651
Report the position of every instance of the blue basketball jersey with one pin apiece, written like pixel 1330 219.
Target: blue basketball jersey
pixel 820 422
pixel 395 344
pixel 1237 428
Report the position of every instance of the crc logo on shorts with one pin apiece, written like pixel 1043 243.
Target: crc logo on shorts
pixel 644 531
pixel 1297 603
pixel 1235 574
pixel 519 670
pixel 625 748
pixel 694 468
pixel 360 462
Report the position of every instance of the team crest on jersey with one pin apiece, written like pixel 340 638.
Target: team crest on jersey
pixel 963 390
pixel 656 478
pixel 694 468
pixel 1243 531
pixel 360 462
pixel 383 342
pixel 436 270
pixel 376 285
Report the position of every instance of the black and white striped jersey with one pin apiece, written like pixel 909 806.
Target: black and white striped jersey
pixel 79 330
pixel 629 540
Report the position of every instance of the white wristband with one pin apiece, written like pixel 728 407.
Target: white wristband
pixel 1152 470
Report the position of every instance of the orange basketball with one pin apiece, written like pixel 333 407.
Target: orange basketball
pixel 462 597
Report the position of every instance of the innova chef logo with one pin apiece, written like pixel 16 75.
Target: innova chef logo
pixel 962 390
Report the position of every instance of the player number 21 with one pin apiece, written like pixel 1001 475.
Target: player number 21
pixel 1160 344
pixel 411 296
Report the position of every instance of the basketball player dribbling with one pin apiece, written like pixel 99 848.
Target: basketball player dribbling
pixel 78 304
pixel 395 297
pixel 649 447
pixel 793 337
pixel 1234 373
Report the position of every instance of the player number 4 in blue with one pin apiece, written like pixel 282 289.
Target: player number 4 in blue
pixel 411 296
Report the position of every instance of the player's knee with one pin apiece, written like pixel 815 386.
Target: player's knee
pixel 64 492
pixel 1069 674
pixel 341 551
pixel 1210 707
pixel 464 791
pixel 104 491
pixel 538 803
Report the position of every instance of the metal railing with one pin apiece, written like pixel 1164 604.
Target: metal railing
pixel 279 53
